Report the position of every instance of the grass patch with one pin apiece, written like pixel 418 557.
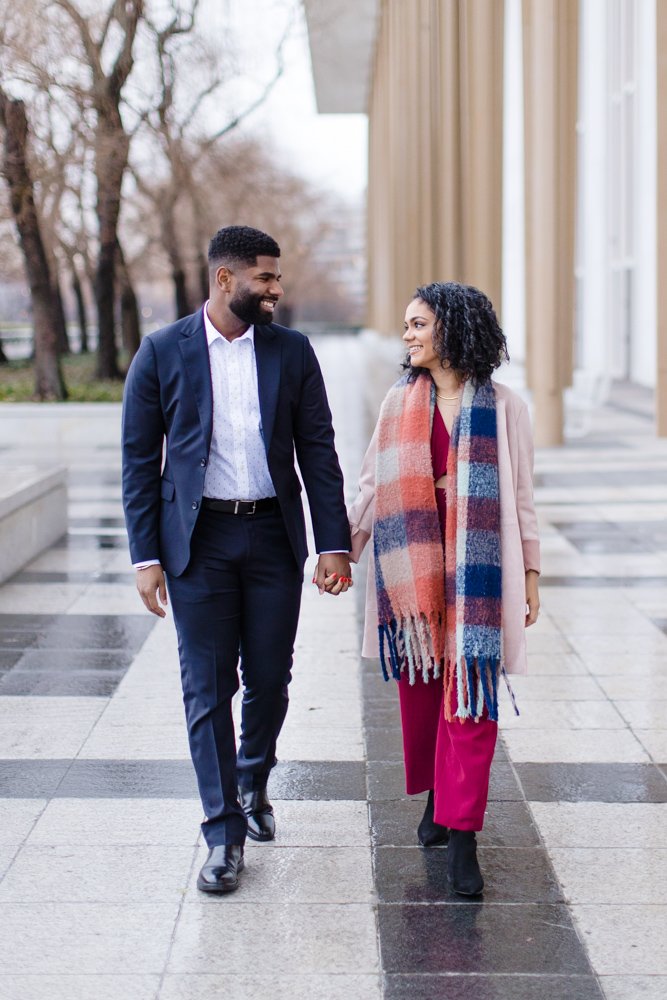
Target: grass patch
pixel 17 381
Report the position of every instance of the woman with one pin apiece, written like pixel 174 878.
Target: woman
pixel 446 495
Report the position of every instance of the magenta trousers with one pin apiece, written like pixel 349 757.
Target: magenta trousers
pixel 452 758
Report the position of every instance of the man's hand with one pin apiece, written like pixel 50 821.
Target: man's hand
pixel 151 585
pixel 332 573
pixel 532 597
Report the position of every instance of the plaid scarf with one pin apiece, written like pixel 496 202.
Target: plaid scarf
pixel 439 612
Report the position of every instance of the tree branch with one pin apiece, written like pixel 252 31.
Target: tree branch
pixel 92 48
pixel 128 15
pixel 237 119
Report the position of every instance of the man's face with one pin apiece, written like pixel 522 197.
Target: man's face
pixel 256 291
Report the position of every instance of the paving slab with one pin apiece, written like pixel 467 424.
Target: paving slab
pixel 97 790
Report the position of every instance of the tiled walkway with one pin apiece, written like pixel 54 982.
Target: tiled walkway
pixel 98 808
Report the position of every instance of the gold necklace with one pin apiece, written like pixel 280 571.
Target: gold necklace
pixel 448 398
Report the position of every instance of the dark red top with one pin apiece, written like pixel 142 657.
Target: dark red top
pixel 439 452
pixel 439 445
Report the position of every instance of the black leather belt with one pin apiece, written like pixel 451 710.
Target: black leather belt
pixel 240 506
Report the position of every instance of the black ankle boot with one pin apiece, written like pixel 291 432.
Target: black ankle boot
pixel 462 867
pixel 430 833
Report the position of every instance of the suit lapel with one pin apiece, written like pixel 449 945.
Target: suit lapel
pixel 267 355
pixel 194 351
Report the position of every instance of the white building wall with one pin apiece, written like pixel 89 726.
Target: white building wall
pixel 616 318
pixel 618 165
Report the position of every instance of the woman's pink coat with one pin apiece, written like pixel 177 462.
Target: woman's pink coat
pixel 520 547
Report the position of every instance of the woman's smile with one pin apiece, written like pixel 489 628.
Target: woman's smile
pixel 418 336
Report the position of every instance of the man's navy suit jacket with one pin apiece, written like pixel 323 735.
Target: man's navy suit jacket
pixel 168 396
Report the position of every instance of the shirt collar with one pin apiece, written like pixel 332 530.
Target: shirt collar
pixel 212 334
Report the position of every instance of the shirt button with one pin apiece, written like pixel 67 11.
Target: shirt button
pixel 195 504
pixel 203 462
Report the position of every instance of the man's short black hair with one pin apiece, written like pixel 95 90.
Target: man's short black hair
pixel 240 245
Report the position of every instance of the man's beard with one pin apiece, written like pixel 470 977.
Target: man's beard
pixel 247 307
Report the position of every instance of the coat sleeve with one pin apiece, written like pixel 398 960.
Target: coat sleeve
pixel 525 503
pixel 318 461
pixel 142 441
pixel 361 511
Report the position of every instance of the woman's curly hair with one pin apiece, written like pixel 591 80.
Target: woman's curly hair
pixel 466 334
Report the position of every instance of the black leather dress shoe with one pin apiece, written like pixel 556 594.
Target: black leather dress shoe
pixel 259 811
pixel 220 873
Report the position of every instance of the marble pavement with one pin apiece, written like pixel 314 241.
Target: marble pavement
pixel 98 809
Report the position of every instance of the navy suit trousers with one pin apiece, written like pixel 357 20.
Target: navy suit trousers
pixel 238 598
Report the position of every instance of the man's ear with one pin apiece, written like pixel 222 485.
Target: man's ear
pixel 223 278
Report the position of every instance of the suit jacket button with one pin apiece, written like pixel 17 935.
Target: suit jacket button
pixel 195 504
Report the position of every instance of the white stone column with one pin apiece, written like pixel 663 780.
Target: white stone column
pixel 514 244
pixel 644 312
pixel 661 386
pixel 592 200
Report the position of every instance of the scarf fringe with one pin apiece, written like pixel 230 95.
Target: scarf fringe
pixel 405 647
pixel 408 644
pixel 510 692
pixel 476 686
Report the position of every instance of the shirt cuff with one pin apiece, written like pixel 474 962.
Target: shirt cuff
pixel 146 564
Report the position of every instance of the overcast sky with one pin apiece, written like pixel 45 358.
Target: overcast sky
pixel 329 149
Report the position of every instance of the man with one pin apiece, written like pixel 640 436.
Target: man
pixel 234 396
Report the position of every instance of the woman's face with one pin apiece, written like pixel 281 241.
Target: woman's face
pixel 418 336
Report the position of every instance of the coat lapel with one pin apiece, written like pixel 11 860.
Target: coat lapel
pixel 267 354
pixel 194 351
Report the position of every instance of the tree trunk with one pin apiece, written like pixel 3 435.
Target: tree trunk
pixel 200 242
pixel 48 376
pixel 182 299
pixel 173 248
pixel 61 322
pixel 112 145
pixel 129 308
pixel 77 291
pixel 130 324
pixel 202 270
pixel 4 360
pixel 107 356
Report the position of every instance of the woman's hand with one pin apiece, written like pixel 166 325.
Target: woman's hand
pixel 532 597
pixel 332 573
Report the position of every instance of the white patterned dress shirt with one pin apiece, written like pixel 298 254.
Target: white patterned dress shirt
pixel 237 467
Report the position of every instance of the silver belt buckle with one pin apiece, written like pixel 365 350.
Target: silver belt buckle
pixel 254 507
pixel 236 506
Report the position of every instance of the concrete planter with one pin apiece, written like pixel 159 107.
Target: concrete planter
pixel 33 514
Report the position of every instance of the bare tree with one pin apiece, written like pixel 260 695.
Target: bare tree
pixel 112 144
pixel 61 179
pixel 46 305
pixel 175 122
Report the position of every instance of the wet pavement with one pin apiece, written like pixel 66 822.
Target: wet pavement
pixel 99 816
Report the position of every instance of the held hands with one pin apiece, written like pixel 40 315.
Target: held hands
pixel 532 597
pixel 332 573
pixel 151 586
